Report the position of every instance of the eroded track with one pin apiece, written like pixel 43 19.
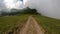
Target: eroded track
pixel 31 27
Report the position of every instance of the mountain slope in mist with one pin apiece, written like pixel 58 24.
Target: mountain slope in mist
pixel 50 8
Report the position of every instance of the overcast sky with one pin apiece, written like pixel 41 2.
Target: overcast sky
pixel 2 5
pixel 50 8
pixel 9 4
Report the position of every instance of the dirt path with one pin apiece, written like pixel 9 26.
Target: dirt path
pixel 31 27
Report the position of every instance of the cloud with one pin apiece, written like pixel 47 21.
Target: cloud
pixel 2 5
pixel 17 4
pixel 50 8
pixel 9 4
pixel 12 3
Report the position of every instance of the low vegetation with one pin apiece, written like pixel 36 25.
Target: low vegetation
pixel 10 20
pixel 50 25
pixel 9 23
pixel 16 12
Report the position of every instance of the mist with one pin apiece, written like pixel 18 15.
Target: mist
pixel 49 8
pixel 8 5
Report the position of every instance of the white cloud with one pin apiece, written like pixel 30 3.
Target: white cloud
pixel 13 4
pixel 50 8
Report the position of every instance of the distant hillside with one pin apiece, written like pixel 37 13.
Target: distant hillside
pixel 18 11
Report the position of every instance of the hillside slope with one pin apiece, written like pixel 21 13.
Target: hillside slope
pixel 9 24
pixel 50 25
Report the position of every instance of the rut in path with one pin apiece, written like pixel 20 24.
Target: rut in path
pixel 32 27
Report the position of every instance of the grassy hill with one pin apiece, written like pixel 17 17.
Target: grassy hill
pixel 10 23
pixel 50 25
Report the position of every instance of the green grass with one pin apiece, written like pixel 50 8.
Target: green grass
pixel 10 22
pixel 50 25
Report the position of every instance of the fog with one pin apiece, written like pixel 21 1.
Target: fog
pixel 50 8
pixel 7 5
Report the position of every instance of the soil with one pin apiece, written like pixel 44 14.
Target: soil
pixel 31 27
